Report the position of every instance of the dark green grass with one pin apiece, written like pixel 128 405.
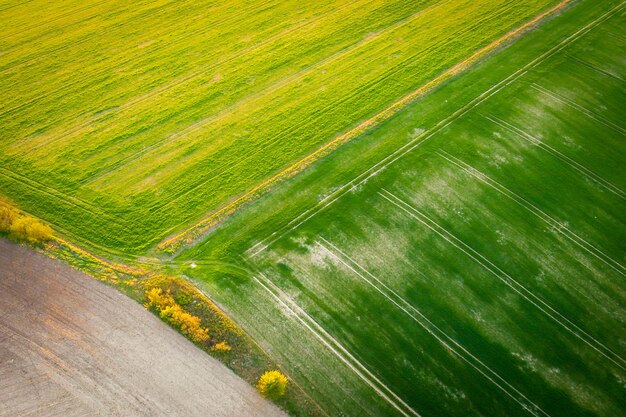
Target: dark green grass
pixel 555 369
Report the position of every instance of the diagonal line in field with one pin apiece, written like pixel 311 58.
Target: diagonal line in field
pixel 279 84
pixel 405 306
pixel 417 141
pixel 334 346
pixel 586 172
pixel 177 83
pixel 240 103
pixel 59 195
pixel 55 50
pixel 595 68
pixel 246 273
pixel 213 218
pixel 59 135
pixel 508 280
pixel 55 19
pixel 556 225
pixel 589 113
pixel 223 169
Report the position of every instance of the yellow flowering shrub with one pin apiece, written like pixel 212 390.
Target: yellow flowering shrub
pixel 174 314
pixel 221 347
pixel 272 385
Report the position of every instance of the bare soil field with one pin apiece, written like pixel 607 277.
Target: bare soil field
pixel 72 346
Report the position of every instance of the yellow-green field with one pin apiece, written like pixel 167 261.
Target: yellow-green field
pixel 123 123
pixel 461 253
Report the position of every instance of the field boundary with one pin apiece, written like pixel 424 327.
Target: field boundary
pixel 188 235
pixel 392 157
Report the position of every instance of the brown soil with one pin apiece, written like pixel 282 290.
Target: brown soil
pixel 72 346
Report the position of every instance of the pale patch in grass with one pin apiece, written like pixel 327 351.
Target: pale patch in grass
pixel 145 44
pixel 327 194
pixel 572 144
pixel 582 394
pixel 320 258
pixel 418 131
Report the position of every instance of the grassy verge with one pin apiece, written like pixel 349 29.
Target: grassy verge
pixel 227 342
pixel 245 357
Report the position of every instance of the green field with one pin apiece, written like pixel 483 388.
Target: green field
pixel 470 260
pixel 123 123
pixel 465 256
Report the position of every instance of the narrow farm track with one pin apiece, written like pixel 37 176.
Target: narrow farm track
pixel 596 68
pixel 248 102
pixel 324 342
pixel 215 64
pixel 19 103
pixel 219 61
pixel 587 112
pixel 48 53
pixel 57 18
pixel 232 166
pixel 587 173
pixel 298 130
pixel 81 127
pixel 129 104
pixel 116 26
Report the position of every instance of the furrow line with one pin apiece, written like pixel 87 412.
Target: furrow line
pixel 589 113
pixel 321 205
pixel 57 18
pixel 556 225
pixel 245 102
pixel 586 172
pixel 335 347
pixel 520 289
pixel 531 407
pixel 595 68
pixel 302 126
pixel 190 77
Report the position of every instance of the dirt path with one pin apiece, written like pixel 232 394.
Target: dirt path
pixel 72 346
